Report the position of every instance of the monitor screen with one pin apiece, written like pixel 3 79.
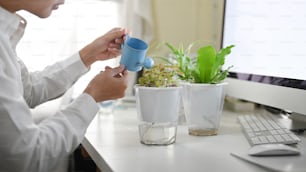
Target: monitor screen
pixel 269 57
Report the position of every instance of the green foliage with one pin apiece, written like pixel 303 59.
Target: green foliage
pixel 206 67
pixel 161 75
pixel 180 58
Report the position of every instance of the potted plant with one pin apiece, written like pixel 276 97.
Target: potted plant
pixel 202 94
pixel 157 103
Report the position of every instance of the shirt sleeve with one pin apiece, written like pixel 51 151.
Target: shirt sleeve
pixel 53 81
pixel 26 146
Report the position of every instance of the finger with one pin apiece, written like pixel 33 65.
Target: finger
pixel 119 75
pixel 119 69
pixel 114 29
pixel 114 51
pixel 112 45
pixel 119 41
pixel 125 31
pixel 107 67
pixel 113 73
pixel 117 34
pixel 124 73
pixel 120 29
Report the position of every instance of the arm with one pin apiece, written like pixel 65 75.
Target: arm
pixel 26 146
pixel 56 79
pixel 30 147
pixel 53 81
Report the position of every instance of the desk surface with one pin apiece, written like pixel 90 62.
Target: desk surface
pixel 113 143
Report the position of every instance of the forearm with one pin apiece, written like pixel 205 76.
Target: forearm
pixel 53 81
pixel 86 56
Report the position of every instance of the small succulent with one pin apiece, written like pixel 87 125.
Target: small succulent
pixel 160 75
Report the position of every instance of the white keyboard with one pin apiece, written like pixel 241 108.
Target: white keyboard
pixel 264 129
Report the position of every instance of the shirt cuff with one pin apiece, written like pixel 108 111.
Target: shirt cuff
pixel 86 108
pixel 74 66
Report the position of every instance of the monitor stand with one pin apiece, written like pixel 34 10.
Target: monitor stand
pixel 298 122
pixel 293 121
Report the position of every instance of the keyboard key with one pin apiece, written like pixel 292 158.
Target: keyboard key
pixel 279 138
pixel 271 139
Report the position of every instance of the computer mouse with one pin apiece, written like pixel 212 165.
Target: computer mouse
pixel 273 150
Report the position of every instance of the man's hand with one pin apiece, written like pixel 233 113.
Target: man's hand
pixel 108 85
pixel 103 48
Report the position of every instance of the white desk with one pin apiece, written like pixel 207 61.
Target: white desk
pixel 113 143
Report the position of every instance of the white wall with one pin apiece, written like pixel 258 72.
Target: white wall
pixel 186 21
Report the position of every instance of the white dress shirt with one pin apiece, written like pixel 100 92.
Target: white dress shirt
pixel 24 145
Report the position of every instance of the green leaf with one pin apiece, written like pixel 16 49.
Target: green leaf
pixel 172 48
pixel 220 76
pixel 220 60
pixel 205 62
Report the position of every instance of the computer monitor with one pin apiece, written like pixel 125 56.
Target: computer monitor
pixel 269 57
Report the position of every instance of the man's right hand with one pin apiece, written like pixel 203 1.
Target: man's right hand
pixel 109 84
